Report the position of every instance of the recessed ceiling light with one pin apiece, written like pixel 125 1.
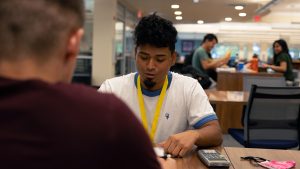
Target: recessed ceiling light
pixel 195 1
pixel 239 7
pixel 178 17
pixel 174 6
pixel 177 12
pixel 200 21
pixel 228 19
pixel 242 14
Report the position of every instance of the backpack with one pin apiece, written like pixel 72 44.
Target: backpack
pixel 200 77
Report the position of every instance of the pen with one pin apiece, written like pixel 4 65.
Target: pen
pixel 165 156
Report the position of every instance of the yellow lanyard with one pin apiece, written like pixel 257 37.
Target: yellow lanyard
pixel 157 109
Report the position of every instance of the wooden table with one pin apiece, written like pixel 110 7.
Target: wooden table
pixel 189 162
pixel 296 64
pixel 233 81
pixel 228 107
pixel 234 154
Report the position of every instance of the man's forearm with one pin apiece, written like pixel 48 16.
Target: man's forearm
pixel 209 135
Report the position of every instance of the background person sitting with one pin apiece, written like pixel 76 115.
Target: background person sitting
pixel 177 124
pixel 253 63
pixel 282 60
pixel 202 59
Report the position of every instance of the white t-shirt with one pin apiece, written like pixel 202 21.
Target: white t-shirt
pixel 186 106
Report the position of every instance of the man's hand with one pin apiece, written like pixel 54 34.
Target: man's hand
pixel 264 65
pixel 226 58
pixel 181 143
pixel 167 163
pixel 227 54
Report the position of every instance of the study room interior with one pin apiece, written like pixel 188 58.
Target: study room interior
pixel 258 109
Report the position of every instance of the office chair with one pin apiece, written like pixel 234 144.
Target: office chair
pixel 248 81
pixel 271 119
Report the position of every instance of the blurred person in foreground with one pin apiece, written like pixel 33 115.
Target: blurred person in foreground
pixel 202 59
pixel 282 60
pixel 173 108
pixel 45 121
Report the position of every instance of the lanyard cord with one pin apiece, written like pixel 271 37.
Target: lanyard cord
pixel 157 109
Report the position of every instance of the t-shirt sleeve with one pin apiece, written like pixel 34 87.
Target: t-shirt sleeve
pixel 283 58
pixel 200 111
pixel 105 87
pixel 202 55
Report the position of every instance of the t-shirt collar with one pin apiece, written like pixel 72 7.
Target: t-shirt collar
pixel 155 92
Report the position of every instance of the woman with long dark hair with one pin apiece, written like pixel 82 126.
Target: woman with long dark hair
pixel 282 60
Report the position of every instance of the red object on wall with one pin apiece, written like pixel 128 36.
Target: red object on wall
pixel 139 14
pixel 257 18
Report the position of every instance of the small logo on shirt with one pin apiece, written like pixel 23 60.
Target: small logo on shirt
pixel 167 115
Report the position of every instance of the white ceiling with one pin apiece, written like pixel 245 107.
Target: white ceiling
pixel 287 11
pixel 213 11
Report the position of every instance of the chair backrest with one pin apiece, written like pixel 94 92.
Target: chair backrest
pixel 272 113
pixel 248 81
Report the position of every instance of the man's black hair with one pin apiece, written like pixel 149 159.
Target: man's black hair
pixel 210 37
pixel 157 31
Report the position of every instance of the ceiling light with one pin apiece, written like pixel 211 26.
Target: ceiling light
pixel 177 12
pixel 178 17
pixel 195 1
pixel 174 6
pixel 200 21
pixel 228 19
pixel 242 14
pixel 239 7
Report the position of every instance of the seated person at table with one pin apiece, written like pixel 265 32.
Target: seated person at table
pixel 46 122
pixel 173 108
pixel 202 59
pixel 253 63
pixel 282 61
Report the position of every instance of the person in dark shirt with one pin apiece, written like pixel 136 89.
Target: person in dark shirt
pixel 45 122
pixel 282 60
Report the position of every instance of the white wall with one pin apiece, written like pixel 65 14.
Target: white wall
pixel 103 40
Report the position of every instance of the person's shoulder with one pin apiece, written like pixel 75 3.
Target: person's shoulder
pixel 182 79
pixel 186 84
pixel 283 56
pixel 83 101
pixel 199 49
pixel 121 79
pixel 67 101
pixel 80 95
pixel 119 84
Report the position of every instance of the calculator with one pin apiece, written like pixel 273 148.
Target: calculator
pixel 213 158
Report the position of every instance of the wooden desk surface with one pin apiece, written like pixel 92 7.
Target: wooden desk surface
pixel 234 80
pixel 234 154
pixel 189 162
pixel 296 64
pixel 216 96
pixel 228 107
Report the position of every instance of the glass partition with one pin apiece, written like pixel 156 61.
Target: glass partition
pixel 82 73
pixel 119 51
pixel 124 44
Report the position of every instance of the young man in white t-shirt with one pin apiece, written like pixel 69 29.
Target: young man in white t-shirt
pixel 173 108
